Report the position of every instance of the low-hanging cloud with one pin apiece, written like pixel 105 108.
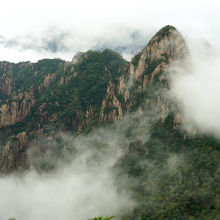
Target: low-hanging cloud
pixel 80 190
pixel 66 194
pixel 85 187
pixel 82 182
pixel 197 88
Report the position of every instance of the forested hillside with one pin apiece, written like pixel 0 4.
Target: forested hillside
pixel 169 172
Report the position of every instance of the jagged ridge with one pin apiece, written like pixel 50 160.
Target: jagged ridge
pixel 90 90
pixel 101 87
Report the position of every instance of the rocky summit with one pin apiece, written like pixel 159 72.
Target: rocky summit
pixel 98 89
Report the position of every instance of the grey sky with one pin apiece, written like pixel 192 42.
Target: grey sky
pixel 32 30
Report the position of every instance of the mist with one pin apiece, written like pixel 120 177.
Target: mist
pixel 196 88
pixel 82 178
pixel 80 189
pixel 91 176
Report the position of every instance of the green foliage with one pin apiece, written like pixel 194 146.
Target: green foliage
pixel 103 218
pixel 169 175
pixel 166 57
pixel 173 177
pixel 120 98
pixel 32 74
pixel 165 30
pixel 83 91
pixel 2 97
pixel 152 66
pixel 162 33
pixel 110 109
pixel 136 59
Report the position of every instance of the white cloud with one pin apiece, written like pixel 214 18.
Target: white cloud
pixel 63 195
pixel 198 89
pixel 89 21
pixel 82 189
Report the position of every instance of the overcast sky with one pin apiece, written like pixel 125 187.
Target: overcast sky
pixel 32 30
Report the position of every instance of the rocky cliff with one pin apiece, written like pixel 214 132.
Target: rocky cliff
pixel 165 47
pixel 14 153
pixel 95 88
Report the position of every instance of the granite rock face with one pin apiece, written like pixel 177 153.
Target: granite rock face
pixel 17 109
pixel 14 153
pixel 68 95
pixel 165 47
pixel 6 80
pixel 150 68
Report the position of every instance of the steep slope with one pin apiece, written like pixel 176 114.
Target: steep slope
pixel 7 81
pixel 68 95
pixel 165 47
pixel 150 68
pixel 24 83
pixel 95 88
pixel 169 173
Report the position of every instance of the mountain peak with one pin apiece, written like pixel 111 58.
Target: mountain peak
pixel 166 29
pixel 165 32
pixel 166 46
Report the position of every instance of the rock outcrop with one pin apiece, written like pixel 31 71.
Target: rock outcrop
pixel 6 79
pixel 17 108
pixel 95 88
pixel 164 48
pixel 150 68
pixel 111 109
pixel 48 79
pixel 14 153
